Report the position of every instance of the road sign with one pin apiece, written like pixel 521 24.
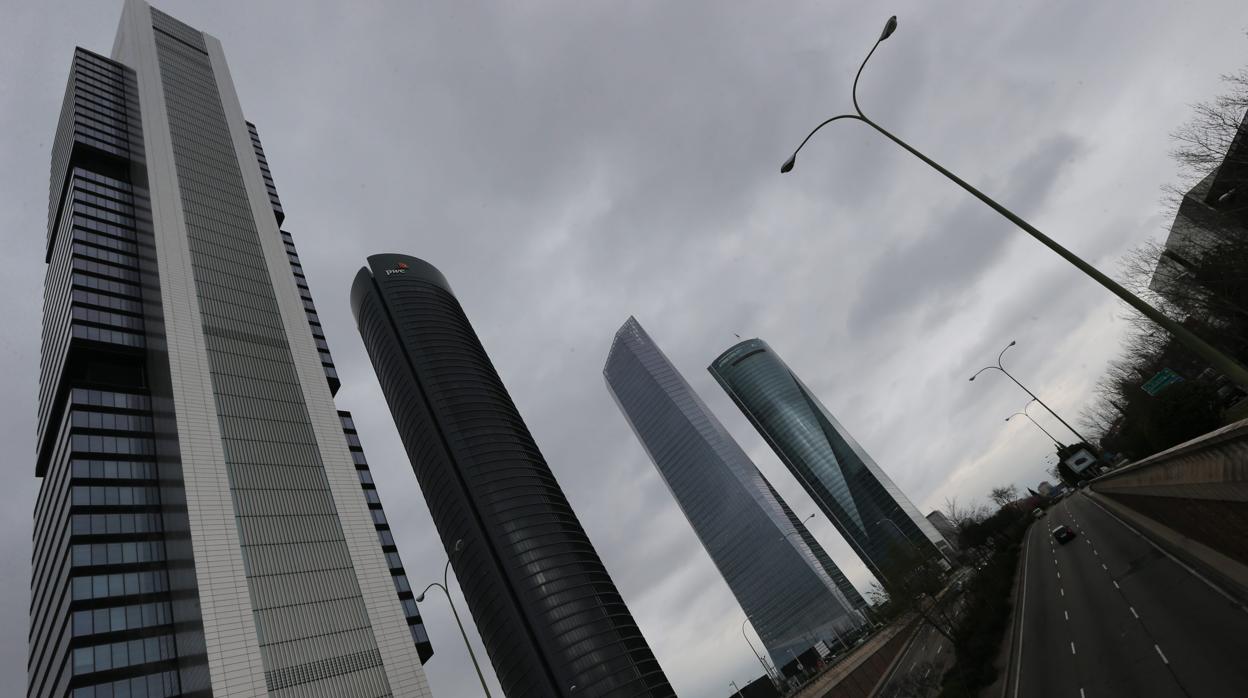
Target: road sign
pixel 1157 383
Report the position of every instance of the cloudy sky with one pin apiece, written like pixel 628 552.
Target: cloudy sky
pixel 568 164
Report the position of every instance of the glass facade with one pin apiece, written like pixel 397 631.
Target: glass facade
pixel 876 518
pixel 787 585
pixel 549 614
pixel 204 522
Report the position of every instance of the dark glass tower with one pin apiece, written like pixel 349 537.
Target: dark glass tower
pixel 202 527
pixel 783 579
pixel 549 614
pixel 877 520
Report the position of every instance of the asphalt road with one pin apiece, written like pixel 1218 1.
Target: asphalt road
pixel 920 670
pixel 1109 614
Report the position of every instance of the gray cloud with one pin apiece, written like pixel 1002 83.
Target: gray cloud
pixel 567 165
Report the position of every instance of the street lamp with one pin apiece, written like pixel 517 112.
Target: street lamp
pixel 1001 368
pixel 766 670
pixel 1033 421
pixel 459 545
pixel 1219 361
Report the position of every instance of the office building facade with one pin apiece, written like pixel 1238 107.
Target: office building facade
pixel 787 585
pixel 875 517
pixel 202 527
pixel 550 616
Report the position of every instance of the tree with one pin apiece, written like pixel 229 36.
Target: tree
pixel 1003 496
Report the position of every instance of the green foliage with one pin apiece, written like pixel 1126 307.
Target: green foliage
pixel 985 619
pixel 1150 424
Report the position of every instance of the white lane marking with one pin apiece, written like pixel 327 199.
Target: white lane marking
pixel 916 661
pixel 938 649
pixel 1173 559
pixel 929 671
pixel 1137 616
pixel 1116 584
pixel 1081 693
pixel 1072 648
pixel 1094 552
pixel 1163 656
pixel 1062 590
pixel 1022 617
pixel 1104 567
pixel 1067 614
pixel 1059 575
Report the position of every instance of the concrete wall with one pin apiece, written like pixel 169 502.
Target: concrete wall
pixel 1192 500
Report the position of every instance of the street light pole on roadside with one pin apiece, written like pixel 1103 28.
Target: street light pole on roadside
pixel 1000 367
pixel 1033 421
pixel 766 669
pixel 1215 358
pixel 459 545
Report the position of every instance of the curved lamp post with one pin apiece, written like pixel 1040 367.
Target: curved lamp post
pixel 1001 368
pixel 1033 421
pixel 766 669
pixel 459 545
pixel 1219 361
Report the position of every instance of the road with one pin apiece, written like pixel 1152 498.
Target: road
pixel 1109 614
pixel 920 670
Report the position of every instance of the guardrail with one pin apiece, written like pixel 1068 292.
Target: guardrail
pixel 1192 500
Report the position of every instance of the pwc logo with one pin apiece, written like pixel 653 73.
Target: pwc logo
pixel 401 269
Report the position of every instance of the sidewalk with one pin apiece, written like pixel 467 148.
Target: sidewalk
pixel 826 684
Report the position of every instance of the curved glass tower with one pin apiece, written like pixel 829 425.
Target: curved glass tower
pixel 788 587
pixel 877 520
pixel 552 621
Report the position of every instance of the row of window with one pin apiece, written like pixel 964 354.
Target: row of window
pixel 94 267
pixel 101 240
pixel 100 184
pixel 83 495
pixel 111 420
pixel 102 214
pixel 107 301
pixel 123 654
pixel 104 317
pixel 110 620
pixel 96 443
pixel 112 469
pixel 109 398
pixel 114 524
pixel 130 552
pixel 98 334
pixel 106 228
pixel 107 285
pixel 104 586
pixel 91 252
pixel 159 685
pixel 94 176
pixel 83 195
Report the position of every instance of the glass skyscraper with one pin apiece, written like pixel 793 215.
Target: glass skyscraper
pixel 206 523
pixel 787 585
pixel 550 616
pixel 877 520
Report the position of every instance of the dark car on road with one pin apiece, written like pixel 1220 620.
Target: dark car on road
pixel 1063 534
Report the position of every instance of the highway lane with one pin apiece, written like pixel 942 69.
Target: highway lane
pixel 924 663
pixel 1108 614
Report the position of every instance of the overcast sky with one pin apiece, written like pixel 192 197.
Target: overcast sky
pixel 568 164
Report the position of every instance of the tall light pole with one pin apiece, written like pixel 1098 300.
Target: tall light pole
pixel 766 670
pixel 1001 368
pixel 1219 361
pixel 1033 421
pixel 459 545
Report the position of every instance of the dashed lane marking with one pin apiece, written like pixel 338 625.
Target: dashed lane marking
pixel 1063 591
pixel 1162 654
pixel 1137 616
pixel 1116 584
pixel 1072 648
pixel 1067 614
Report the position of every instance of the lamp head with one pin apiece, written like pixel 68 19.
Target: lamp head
pixel 889 27
pixel 1012 343
pixel 788 164
pixel 421 598
pixel 973 378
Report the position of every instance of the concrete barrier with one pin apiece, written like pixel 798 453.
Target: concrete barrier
pixel 1192 501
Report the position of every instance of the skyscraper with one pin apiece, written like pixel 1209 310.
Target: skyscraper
pixel 551 619
pixel 202 526
pixel 784 581
pixel 877 520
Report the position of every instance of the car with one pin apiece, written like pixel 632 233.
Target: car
pixel 1081 484
pixel 1037 513
pixel 1063 534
